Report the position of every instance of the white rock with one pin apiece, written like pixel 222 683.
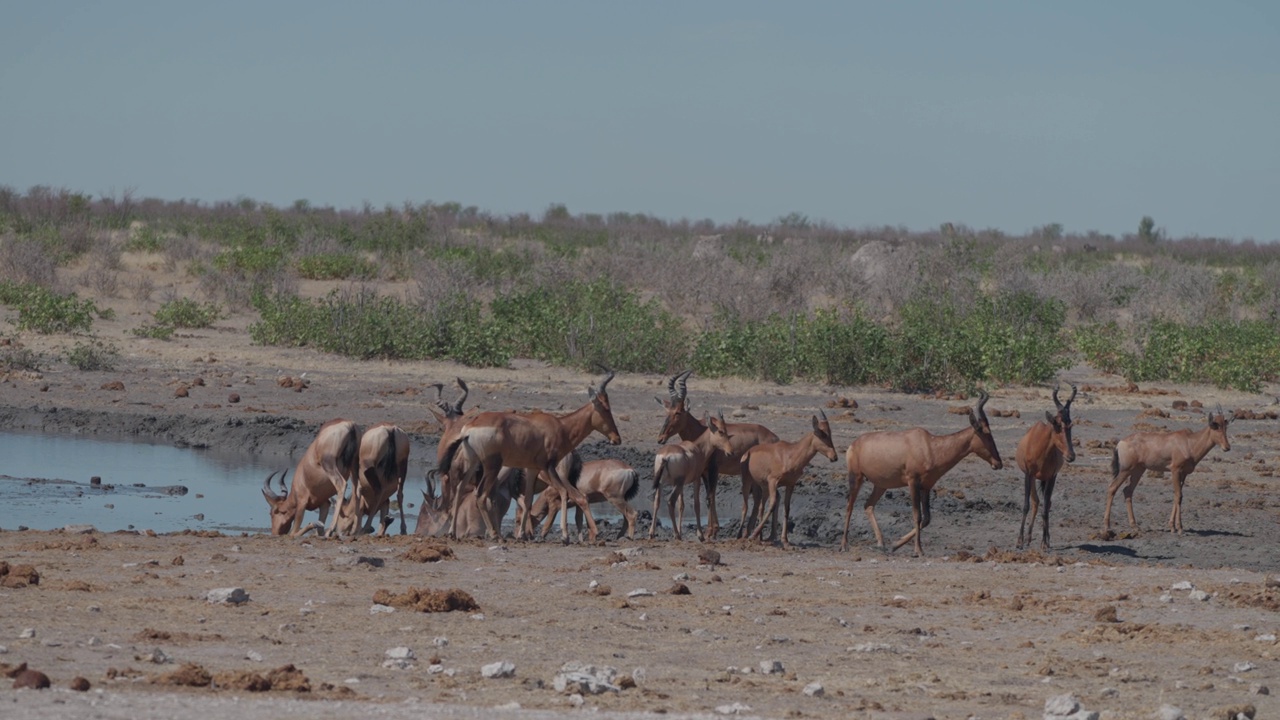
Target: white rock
pixel 440 641
pixel 227 596
pixel 435 669
pixel 1061 706
pixel 374 609
pixel 1259 689
pixel 593 584
pixel 254 656
pixel 733 709
pixel 771 667
pixel 639 592
pixel 644 617
pixel 1170 712
pixel 94 641
pixel 398 663
pixel 1266 637
pixel 576 700
pixel 872 647
pixel 500 669
pixel 587 679
pixel 631 552
pixel 4 649
pixel 1109 692
pixel 1241 667
pixel 638 675
pixel 1166 597
pixel 1199 595
pixel 1184 585
pixel 159 657
pixel 401 653
pixel 814 689
pixel 477 616
pixel 78 529
pixel 27 634
pixel 513 705
pixel 681 577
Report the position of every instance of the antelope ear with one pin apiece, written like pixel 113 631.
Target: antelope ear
pixel 439 417
pixel 1051 418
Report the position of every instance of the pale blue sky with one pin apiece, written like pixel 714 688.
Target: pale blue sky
pixel 1003 115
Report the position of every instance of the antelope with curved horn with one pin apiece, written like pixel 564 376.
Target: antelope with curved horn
pixel 770 466
pixel 1040 455
pixel 1178 452
pixel 535 441
pixel 679 421
pixel 915 459
pixel 321 473
pixel 683 463
pixel 433 517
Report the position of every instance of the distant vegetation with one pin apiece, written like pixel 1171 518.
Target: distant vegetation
pixel 794 299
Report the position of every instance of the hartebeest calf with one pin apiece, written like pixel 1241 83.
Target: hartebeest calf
pixel 607 480
pixel 384 463
pixel 915 459
pixel 321 472
pixel 1040 455
pixel 1178 452
pixel 683 463
pixel 680 422
pixel 535 441
pixel 771 466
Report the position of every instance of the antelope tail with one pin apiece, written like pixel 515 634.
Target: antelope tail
pixel 575 469
pixel 632 485
pixel 387 464
pixel 349 456
pixel 1115 461
pixel 446 461
pixel 657 475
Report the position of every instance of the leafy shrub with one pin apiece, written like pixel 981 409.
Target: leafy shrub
pixel 155 332
pixel 14 357
pixel 584 323
pixel 47 312
pixel 250 259
pixel 187 313
pixel 93 355
pixel 336 266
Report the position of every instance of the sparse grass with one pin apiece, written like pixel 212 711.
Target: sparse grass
pixel 93 355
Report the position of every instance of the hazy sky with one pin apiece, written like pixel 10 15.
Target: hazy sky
pixel 1004 115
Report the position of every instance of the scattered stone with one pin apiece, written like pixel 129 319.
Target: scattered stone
pixel 709 557
pixel 79 684
pixel 182 391
pixel 401 653
pixel 253 656
pixel 27 634
pixel 500 669
pixel 1066 707
pixel 158 657
pixel 1259 689
pixel 81 529
pixel 1242 667
pixel 577 678
pixel 733 709
pixel 771 667
pixel 227 596
pixel 380 608
pixel 639 592
pixel 1266 637
pixel 1170 712
pixel 814 689
pixel 233 398
pixel 440 642
pixel 1233 712
pixel 1198 595
pixel 32 679
pixel 1184 585
pixel 679 589
pixel 356 560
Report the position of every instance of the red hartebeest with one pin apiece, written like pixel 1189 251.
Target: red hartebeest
pixel 384 463
pixel 607 480
pixel 1177 452
pixel 684 462
pixel 681 422
pixel 769 466
pixel 1040 455
pixel 321 471
pixel 535 441
pixel 433 517
pixel 915 459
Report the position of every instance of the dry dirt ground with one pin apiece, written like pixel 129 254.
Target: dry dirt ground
pixel 1126 623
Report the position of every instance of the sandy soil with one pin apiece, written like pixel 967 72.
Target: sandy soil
pixel 974 629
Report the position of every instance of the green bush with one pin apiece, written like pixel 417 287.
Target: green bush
pixel 46 311
pixel 187 313
pixel 336 266
pixel 93 355
pixel 155 332
pixel 587 323
pixel 251 259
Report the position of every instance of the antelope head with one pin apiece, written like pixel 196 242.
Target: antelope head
pixel 601 412
pixel 1218 428
pixel 677 406
pixel 822 434
pixel 986 446
pixel 1061 424
pixel 281 508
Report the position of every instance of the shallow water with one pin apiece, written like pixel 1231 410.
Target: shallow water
pixel 48 486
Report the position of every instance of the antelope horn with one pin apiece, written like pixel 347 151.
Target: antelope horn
pixel 457 406
pixel 604 382
pixel 1074 390
pixel 822 415
pixel 683 378
pixel 1056 402
pixel 983 397
pixel 284 489
pixel 266 488
pixel 671 387
pixel 440 403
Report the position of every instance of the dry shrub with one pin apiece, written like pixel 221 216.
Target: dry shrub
pixel 243 680
pixel 23 260
pixel 289 678
pixel 428 552
pixel 102 280
pixel 428 601
pixel 141 287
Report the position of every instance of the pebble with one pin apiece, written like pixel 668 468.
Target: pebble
pixel 401 653
pixel 477 616
pixel 1184 585
pixel 1241 667
pixel 227 596
pixel 440 642
pixel 640 592
pixel 771 667
pixel 814 689
pixel 587 679
pixel 1066 707
pixel 500 669
pixel 379 608
pixel 78 529
pixel 1170 712
pixel 27 634
pixel 1266 637
pixel 253 656
pixel 1199 595
pixel 733 709
pixel 1259 689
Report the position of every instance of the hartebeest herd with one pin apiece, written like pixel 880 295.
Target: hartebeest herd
pixel 486 460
